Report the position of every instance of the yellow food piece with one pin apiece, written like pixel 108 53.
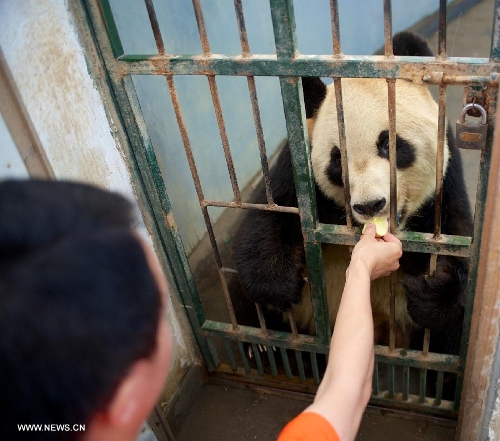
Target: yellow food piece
pixel 381 226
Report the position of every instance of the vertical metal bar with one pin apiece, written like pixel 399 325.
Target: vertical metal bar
pixel 223 136
pixel 201 197
pixel 406 382
pixel 112 29
pixel 388 29
pixel 293 325
pixel 300 366
pixel 423 385
pixel 439 388
pixel 375 380
pixel 440 160
pixel 240 18
pixel 256 354
pixel 272 360
pixel 213 350
pixel 391 108
pixel 243 357
pixel 390 380
pixel 230 355
pixel 334 16
pixel 286 363
pixel 155 26
pixel 495 38
pixel 442 29
pixel 314 366
pixel 260 138
pixel 337 84
pixel 284 28
pixel 262 320
pixel 201 27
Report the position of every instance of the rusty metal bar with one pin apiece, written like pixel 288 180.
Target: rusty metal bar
pixel 278 208
pixel 262 320
pixel 240 18
pixel 440 160
pixel 337 84
pixel 286 363
pixel 293 325
pixel 155 26
pixel 223 136
pixel 442 29
pixel 199 191
pixel 334 17
pixel 243 357
pixel 198 12
pixel 388 29
pixel 419 69
pixel 260 138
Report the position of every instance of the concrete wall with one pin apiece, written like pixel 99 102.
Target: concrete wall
pixel 39 42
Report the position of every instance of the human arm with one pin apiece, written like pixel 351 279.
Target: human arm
pixel 346 385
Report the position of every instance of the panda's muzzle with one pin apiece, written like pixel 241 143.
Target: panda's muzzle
pixel 371 208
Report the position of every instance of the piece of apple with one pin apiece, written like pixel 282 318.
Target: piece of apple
pixel 381 226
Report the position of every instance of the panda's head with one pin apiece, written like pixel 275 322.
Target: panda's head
pixel 365 108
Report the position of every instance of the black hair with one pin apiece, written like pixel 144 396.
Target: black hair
pixel 78 303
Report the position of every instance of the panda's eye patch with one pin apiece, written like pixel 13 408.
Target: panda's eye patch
pixel 405 153
pixel 334 168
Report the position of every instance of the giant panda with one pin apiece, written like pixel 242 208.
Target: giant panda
pixel 268 247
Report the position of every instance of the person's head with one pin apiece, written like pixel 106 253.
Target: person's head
pixel 82 337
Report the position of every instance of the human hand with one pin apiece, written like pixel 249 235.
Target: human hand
pixel 379 256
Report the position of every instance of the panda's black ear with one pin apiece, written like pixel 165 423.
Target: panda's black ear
pixel 410 44
pixel 314 94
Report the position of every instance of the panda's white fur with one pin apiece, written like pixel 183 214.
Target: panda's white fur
pixel 366 116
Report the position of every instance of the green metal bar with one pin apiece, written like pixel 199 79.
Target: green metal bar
pixel 439 388
pixel 243 356
pixel 300 366
pixel 111 28
pixel 284 28
pixel 286 363
pixel 412 241
pixel 406 382
pixel 213 351
pixel 457 70
pixel 390 380
pixel 314 366
pixel 272 360
pixel 484 166
pixel 375 380
pixel 258 359
pixel 230 355
pixel 423 385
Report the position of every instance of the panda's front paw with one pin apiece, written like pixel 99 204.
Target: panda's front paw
pixel 429 297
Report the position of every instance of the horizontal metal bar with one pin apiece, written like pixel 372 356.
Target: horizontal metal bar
pixel 412 241
pixel 411 358
pixel 265 207
pixel 411 68
pixel 254 335
pixel 444 409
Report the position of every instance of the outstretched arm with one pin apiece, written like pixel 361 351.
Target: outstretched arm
pixel 346 386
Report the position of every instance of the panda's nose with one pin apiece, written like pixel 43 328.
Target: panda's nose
pixel 369 208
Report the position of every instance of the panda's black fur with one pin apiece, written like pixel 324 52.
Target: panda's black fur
pixel 269 252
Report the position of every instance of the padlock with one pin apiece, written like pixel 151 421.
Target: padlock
pixel 472 135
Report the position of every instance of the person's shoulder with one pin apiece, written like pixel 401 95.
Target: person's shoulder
pixel 308 426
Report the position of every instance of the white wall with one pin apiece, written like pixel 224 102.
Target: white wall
pixel 40 45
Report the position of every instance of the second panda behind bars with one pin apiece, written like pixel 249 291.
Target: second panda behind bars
pixel 269 248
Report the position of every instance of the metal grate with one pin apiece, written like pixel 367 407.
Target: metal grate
pixel 295 359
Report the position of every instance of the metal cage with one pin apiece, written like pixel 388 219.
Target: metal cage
pixel 223 342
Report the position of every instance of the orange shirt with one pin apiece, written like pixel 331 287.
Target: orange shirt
pixel 308 426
